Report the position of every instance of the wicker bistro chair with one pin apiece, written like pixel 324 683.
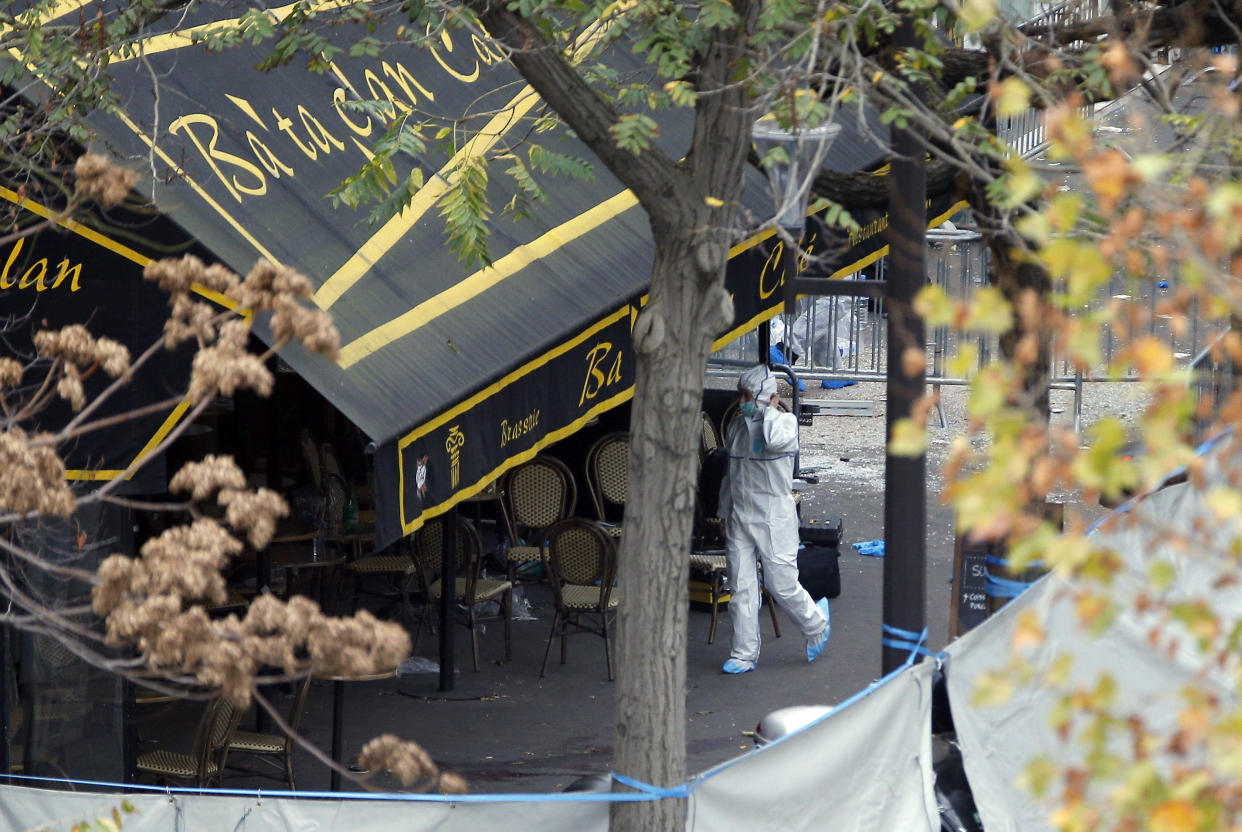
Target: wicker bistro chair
pixel 203 764
pixel 714 565
pixel 581 560
pixel 710 437
pixel 608 476
pixel 537 494
pixel 469 588
pixel 274 750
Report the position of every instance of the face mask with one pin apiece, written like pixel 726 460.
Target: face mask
pixel 748 409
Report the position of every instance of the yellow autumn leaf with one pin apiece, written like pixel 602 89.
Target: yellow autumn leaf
pixel 987 394
pixel 713 202
pixel 1034 227
pixel 1080 265
pixel 1013 97
pixel 1028 631
pixel 1160 575
pixel 993 687
pixel 1108 173
pixel 1059 674
pixel 1064 210
pixel 908 439
pixel 1068 132
pixel 976 14
pixel 1151 356
pixel 913 361
pixel 962 122
pixel 989 311
pixel 933 305
pixel 1091 608
pixel 1225 502
pixel 1023 184
pixel 964 364
pixel 1150 167
pixel 1082 343
pixel 1038 776
pixel 1175 816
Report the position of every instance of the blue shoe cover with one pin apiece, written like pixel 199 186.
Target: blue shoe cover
pixel 815 645
pixel 734 667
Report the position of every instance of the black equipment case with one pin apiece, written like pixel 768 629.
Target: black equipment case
pixel 819 567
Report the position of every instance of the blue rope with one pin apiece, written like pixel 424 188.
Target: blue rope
pixel 552 797
pixel 994 560
pixel 654 791
pixel 1002 587
pixel 908 640
pixel 902 639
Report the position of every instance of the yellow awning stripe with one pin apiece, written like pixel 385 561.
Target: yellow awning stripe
pixel 182 38
pixel 392 231
pixel 484 279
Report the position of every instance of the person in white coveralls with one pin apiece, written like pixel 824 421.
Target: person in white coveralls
pixel 761 521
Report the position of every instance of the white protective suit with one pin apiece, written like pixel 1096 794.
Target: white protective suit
pixel 761 522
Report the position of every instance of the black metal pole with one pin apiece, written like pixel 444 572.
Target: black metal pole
pixel 905 509
pixel 338 709
pixel 448 597
pixel 790 271
pixel 129 730
pixel 765 341
pixel 4 700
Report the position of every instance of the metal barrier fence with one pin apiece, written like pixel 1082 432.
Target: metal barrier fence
pixel 843 338
pixel 1214 380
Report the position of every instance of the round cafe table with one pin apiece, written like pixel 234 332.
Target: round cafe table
pixel 338 701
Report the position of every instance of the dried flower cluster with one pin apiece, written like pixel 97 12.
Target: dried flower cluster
pixel 101 180
pixel 223 363
pixel 11 372
pixel 254 512
pixel 152 601
pixel 79 351
pixel 280 290
pixel 33 476
pixel 227 653
pixel 409 763
pixel 207 476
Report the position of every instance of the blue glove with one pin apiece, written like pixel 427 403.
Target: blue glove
pixel 870 548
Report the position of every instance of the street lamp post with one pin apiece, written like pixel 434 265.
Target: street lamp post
pixel 791 184
pixel 904 477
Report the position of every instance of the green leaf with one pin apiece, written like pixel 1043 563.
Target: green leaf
pixel 635 132
pixel 466 212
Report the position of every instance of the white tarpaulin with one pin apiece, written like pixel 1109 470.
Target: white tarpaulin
pixel 861 768
pixel 23 808
pixel 864 767
pixel 1173 526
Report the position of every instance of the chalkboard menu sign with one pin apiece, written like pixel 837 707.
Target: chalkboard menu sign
pixel 970 600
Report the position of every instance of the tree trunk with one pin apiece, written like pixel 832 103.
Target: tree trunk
pixel 1014 277
pixel 673 337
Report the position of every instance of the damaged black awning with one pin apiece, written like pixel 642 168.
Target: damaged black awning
pixel 455 373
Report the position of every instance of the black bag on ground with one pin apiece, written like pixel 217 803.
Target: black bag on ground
pixel 819 570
